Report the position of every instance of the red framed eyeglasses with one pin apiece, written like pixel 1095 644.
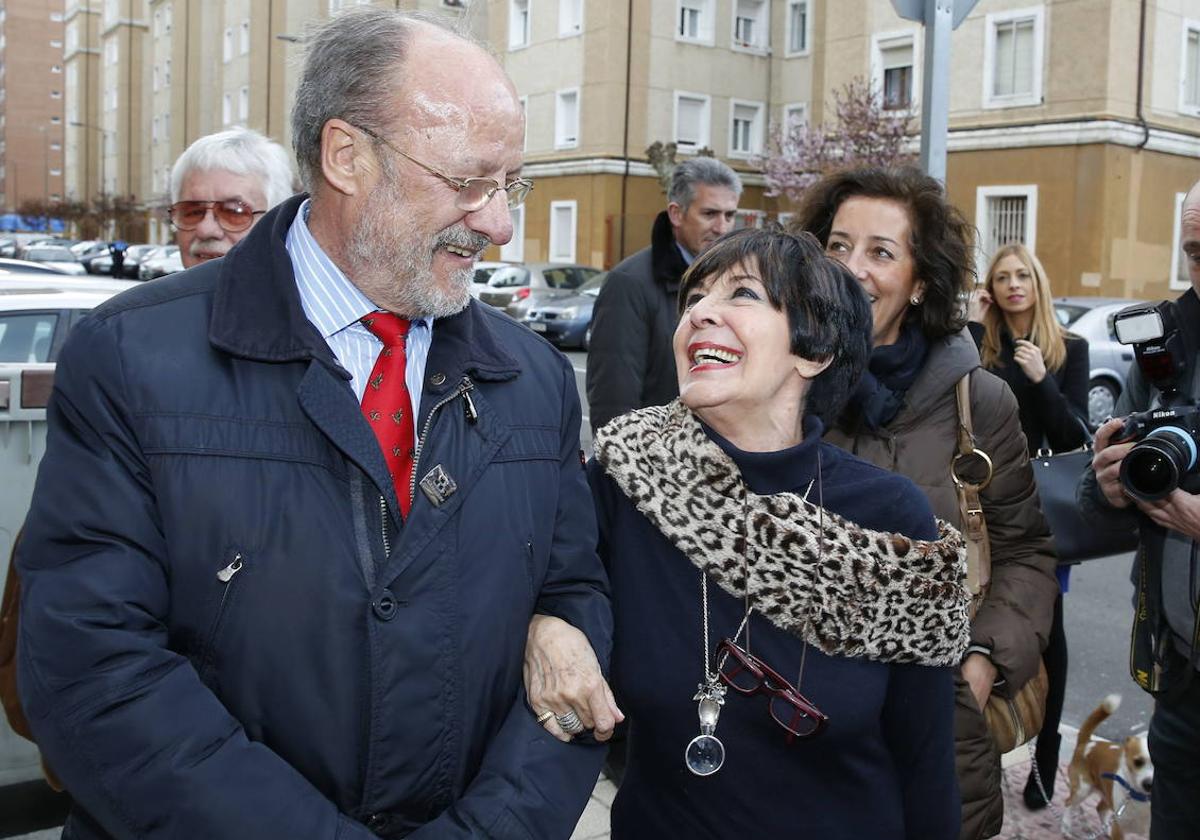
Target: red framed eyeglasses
pixel 748 675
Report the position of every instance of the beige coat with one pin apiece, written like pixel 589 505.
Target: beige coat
pixel 1014 622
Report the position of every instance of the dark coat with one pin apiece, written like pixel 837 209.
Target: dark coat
pixel 1014 621
pixel 1052 411
pixel 215 640
pixel 630 362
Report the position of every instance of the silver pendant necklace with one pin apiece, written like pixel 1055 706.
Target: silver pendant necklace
pixel 705 753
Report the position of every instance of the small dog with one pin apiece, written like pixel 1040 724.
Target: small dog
pixel 1094 766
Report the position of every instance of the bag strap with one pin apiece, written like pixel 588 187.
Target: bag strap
pixel 979 565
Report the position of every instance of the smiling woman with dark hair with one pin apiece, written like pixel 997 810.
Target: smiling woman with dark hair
pixel 786 615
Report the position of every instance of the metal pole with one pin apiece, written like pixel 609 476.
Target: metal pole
pixel 935 97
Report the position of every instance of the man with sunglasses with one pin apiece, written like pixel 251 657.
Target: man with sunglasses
pixel 220 186
pixel 300 504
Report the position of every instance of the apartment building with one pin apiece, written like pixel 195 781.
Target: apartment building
pixel 1062 133
pixel 1074 126
pixel 31 102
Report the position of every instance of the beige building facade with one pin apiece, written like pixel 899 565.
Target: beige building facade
pixel 32 83
pixel 1075 124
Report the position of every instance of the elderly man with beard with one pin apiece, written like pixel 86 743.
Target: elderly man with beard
pixel 220 186
pixel 300 505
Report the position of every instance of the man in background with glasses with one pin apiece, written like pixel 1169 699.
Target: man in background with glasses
pixel 299 505
pixel 220 186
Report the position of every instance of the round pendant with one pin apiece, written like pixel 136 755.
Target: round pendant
pixel 704 755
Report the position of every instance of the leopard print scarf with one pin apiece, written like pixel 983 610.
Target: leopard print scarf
pixel 869 594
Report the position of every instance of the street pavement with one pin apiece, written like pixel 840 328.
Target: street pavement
pixel 1097 614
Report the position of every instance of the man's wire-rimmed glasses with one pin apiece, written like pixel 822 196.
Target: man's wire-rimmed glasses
pixel 473 193
pixel 748 675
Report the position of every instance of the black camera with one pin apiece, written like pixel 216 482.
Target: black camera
pixel 1168 437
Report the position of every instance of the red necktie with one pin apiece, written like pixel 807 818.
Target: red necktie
pixel 386 403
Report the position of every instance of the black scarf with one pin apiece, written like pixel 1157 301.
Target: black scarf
pixel 890 373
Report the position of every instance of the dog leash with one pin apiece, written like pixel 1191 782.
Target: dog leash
pixel 1048 797
pixel 1133 794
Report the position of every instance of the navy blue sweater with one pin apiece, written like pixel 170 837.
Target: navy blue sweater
pixel 883 768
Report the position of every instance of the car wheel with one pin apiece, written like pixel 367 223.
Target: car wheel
pixel 1102 400
pixel 587 338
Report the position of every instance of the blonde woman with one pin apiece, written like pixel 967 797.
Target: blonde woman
pixel 1022 342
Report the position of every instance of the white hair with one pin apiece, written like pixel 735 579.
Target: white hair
pixel 241 151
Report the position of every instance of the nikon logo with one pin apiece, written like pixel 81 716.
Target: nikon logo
pixel 1165 412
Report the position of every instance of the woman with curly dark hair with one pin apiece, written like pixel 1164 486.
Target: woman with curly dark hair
pixel 910 250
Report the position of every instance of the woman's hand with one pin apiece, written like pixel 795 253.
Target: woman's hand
pixel 1029 357
pixel 980 674
pixel 562 675
pixel 977 304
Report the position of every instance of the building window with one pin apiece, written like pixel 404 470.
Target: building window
pixel 566 119
pixel 745 128
pixel 227 109
pixel 514 251
pixel 893 70
pixel 562 231
pixel 1180 279
pixel 695 21
pixel 110 52
pixel 570 18
pixel 56 119
pixel 156 80
pixel 244 104
pixel 154 130
pixel 167 20
pixel 55 173
pixel 72 39
pixel 797 27
pixel 523 101
pixel 751 24
pixel 56 94
pixel 56 146
pixel 157 22
pixel 691 121
pixel 167 72
pixel 795 116
pixel 518 24
pixel 55 68
pixel 56 44
pixel 1012 59
pixel 244 38
pixel 56 17
pixel 227 45
pixel 455 4
pixel 1003 215
pixel 1189 83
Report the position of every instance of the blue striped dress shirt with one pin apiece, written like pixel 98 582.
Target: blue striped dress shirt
pixel 336 307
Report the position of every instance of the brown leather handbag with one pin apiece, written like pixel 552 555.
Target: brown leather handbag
pixel 1011 720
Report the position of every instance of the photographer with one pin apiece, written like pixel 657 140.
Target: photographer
pixel 1164 655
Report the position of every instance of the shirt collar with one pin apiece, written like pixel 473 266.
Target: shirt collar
pixel 330 300
pixel 688 256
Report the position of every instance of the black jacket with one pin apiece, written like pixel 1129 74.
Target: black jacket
pixel 630 363
pixel 1052 410
pixel 360 677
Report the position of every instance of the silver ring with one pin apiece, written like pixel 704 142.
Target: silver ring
pixel 570 723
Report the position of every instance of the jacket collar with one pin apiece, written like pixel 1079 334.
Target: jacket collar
pixel 257 312
pixel 665 258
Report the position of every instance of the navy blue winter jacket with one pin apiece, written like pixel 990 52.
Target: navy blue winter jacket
pixel 226 631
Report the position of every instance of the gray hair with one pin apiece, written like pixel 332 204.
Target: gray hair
pixel 700 170
pixel 350 71
pixel 241 151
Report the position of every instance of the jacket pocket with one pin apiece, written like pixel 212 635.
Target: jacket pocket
pixel 228 578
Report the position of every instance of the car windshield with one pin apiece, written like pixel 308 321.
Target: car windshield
pixel 483 274
pixel 592 287
pixel 512 276
pixel 1069 313
pixel 50 254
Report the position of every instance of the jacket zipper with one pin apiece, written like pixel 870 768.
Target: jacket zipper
pixel 225 576
pixel 464 389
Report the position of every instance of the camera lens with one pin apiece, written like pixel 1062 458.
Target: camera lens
pixel 1153 467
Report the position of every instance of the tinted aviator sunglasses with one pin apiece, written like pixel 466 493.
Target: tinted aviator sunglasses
pixel 748 675
pixel 473 193
pixel 233 215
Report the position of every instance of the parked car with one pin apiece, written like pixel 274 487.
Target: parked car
pixel 160 262
pixel 24 267
pixel 55 256
pixel 513 284
pixel 483 273
pixel 88 248
pixel 35 319
pixel 1092 318
pixel 567 321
